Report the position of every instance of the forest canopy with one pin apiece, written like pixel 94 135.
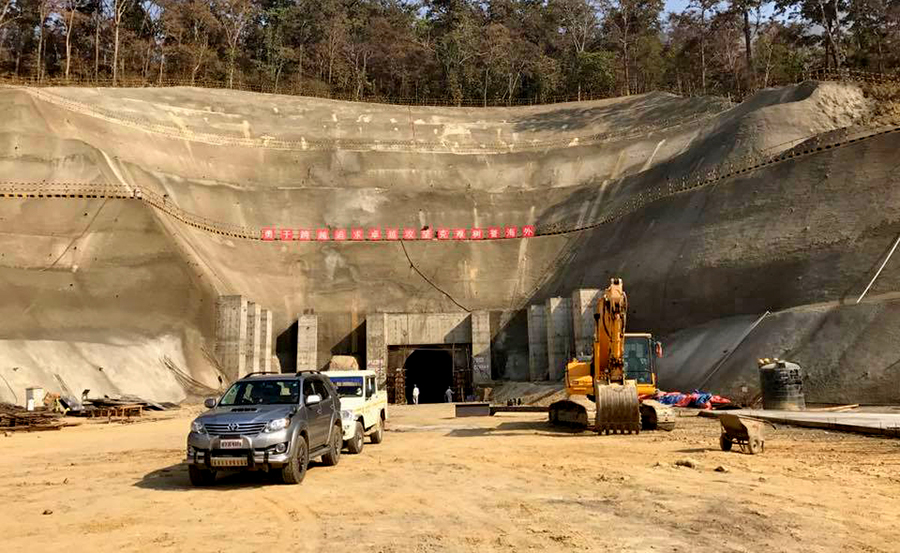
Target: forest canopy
pixel 453 51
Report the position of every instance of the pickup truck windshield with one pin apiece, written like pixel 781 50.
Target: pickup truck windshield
pixel 262 392
pixel 348 386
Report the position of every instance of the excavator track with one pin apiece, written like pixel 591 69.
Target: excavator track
pixel 574 412
pixel 656 416
pixel 619 410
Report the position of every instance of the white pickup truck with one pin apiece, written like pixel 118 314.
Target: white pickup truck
pixel 363 407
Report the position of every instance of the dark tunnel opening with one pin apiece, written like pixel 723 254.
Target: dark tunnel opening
pixel 432 371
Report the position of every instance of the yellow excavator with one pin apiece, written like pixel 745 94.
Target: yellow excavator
pixel 606 388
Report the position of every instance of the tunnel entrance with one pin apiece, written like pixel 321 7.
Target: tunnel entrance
pixel 432 371
pixel 431 367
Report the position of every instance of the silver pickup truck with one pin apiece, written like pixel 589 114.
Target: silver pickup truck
pixel 270 422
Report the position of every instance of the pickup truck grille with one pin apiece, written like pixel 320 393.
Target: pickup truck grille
pixel 235 429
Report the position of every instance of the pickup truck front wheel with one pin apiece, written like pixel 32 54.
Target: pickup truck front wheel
pixel 377 434
pixel 295 469
pixel 355 444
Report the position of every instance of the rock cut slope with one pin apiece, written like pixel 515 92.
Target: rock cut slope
pixel 128 276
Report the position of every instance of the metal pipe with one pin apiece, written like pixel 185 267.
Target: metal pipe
pixel 886 259
pixel 734 348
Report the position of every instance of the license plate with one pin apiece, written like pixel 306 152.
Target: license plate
pixel 231 444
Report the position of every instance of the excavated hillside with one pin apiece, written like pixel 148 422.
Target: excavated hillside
pixel 110 293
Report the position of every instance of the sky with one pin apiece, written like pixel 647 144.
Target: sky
pixel 678 6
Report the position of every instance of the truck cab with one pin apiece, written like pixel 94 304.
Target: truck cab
pixel 363 407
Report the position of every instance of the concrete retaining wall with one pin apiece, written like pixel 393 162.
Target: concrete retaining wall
pixel 231 335
pixel 307 346
pixel 537 343
pixel 559 335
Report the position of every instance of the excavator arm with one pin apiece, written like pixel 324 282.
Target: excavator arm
pixel 609 334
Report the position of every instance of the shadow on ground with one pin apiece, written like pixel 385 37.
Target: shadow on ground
pixel 515 428
pixel 175 478
pixel 697 450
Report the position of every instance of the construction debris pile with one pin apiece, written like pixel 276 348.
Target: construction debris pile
pixel 15 418
pixel 119 406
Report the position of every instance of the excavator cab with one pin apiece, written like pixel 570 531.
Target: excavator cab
pixel 641 352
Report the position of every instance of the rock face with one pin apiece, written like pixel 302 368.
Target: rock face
pixel 117 284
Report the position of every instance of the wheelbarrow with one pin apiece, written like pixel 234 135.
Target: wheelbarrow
pixel 746 432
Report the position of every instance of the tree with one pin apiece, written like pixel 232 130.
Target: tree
pixel 580 20
pixel 120 7
pixel 234 16
pixel 44 8
pixel 71 12
pixel 870 22
pixel 825 14
pixel 191 24
pixel 8 13
pixel 454 50
pixel 627 20
pixel 596 69
pixel 703 8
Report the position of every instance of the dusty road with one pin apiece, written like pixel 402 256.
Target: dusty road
pixel 437 483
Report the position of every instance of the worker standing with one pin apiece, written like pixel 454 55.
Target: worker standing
pixel 415 394
pixel 449 395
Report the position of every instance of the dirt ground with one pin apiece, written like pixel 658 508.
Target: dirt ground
pixel 438 483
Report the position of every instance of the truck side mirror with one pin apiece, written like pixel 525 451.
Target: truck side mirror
pixel 659 352
pixel 313 399
pixel 209 403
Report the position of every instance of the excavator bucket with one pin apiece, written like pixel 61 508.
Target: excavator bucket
pixel 618 409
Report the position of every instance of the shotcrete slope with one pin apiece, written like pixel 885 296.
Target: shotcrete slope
pixel 258 160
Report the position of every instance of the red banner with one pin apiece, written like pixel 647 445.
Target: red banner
pixel 375 234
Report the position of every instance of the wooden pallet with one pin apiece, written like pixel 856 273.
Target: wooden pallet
pixel 110 411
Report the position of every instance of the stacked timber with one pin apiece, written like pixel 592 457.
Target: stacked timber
pixel 15 418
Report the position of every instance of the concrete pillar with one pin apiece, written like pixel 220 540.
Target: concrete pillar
pixel 266 340
pixel 253 335
pixel 537 343
pixel 584 305
pixel 307 343
pixel 481 347
pixel 559 336
pixel 231 335
pixel 376 347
